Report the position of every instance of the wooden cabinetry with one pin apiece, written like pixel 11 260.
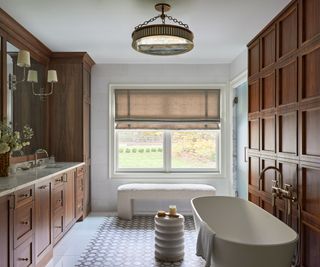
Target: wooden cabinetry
pixel 65 190
pixel 43 223
pixel 70 113
pixel 69 191
pixel 24 254
pixel 5 232
pixel 284 117
pixel 58 207
pixel 79 192
pixel 23 228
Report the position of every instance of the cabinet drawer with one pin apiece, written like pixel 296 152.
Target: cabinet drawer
pixel 58 180
pixel 81 170
pixel 23 255
pixel 24 196
pixel 58 218
pixel 58 198
pixel 23 224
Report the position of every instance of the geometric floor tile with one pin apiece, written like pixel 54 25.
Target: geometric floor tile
pixel 131 243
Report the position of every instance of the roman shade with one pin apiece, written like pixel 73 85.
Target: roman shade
pixel 167 109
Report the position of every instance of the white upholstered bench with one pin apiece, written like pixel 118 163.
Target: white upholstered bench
pixel 128 192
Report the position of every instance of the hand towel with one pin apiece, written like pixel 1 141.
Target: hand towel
pixel 205 243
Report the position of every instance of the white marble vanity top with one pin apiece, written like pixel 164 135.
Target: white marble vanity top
pixel 29 177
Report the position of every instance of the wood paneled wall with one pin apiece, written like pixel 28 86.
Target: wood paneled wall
pixel 284 116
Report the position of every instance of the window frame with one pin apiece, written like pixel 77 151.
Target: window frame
pixel 167 156
pixel 192 173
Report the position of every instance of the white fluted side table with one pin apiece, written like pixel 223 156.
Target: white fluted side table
pixel 169 238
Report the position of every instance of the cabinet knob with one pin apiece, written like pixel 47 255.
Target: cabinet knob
pixel 24 195
pixel 23 259
pixel 25 222
pixel 43 187
pixel 59 227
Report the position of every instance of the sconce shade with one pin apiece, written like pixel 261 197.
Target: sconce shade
pixel 32 76
pixel 23 59
pixel 52 76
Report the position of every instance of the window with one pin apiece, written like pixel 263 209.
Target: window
pixel 167 150
pixel 165 131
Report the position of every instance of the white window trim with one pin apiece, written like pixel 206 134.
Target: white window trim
pixel 223 142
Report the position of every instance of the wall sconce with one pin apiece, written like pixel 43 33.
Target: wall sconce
pixel 23 61
pixel 33 78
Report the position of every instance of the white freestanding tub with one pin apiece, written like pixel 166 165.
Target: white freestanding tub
pixel 246 235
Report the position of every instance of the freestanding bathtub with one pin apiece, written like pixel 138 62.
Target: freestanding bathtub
pixel 246 235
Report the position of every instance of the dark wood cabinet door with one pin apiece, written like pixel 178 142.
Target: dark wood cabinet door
pixel 43 233
pixel 69 199
pixel 4 232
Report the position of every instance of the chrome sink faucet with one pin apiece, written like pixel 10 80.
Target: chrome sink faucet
pixel 39 151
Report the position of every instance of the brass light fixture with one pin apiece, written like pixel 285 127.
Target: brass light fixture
pixel 41 92
pixel 162 39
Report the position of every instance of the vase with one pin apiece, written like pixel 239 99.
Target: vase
pixel 4 164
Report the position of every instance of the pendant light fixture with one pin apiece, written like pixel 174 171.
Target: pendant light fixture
pixel 162 39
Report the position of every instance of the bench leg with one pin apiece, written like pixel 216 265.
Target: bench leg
pixel 125 207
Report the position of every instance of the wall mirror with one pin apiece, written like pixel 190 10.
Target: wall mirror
pixel 23 108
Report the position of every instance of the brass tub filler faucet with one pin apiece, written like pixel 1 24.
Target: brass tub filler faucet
pixel 287 193
pixel 280 191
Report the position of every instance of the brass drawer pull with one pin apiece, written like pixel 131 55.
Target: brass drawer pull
pixel 24 195
pixel 59 227
pixel 25 222
pixel 23 259
pixel 59 180
pixel 43 187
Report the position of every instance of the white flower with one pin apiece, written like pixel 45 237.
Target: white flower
pixel 5 138
pixel 4 148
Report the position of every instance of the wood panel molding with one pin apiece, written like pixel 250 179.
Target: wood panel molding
pixel 16 34
pixel 292 143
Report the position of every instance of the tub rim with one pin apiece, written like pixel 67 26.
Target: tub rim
pixel 295 240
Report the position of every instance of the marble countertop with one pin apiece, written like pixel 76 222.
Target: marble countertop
pixel 35 175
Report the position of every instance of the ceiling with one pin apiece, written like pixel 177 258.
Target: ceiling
pixel 103 28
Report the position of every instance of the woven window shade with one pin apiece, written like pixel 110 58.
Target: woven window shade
pixel 167 109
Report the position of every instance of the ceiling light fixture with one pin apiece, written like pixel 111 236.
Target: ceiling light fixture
pixel 162 39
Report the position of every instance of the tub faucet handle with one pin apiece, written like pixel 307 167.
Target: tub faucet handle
pixel 275 183
pixel 288 187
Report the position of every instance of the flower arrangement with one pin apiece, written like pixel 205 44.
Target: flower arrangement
pixel 14 140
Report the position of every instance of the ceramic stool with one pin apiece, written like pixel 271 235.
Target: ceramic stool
pixel 169 238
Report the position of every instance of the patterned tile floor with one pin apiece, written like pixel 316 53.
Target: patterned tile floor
pixel 131 243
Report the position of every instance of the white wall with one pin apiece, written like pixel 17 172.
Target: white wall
pixel 239 64
pixel 104 190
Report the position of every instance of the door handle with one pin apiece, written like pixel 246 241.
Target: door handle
pixel 245 154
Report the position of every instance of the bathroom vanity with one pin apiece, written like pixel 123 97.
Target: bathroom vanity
pixel 37 208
